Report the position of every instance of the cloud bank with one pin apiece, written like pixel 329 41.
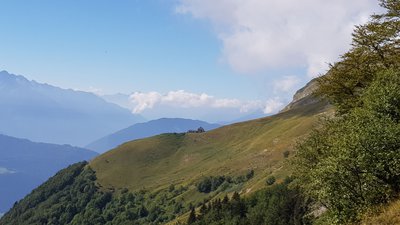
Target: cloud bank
pixel 182 99
pixel 4 171
pixel 286 84
pixel 258 35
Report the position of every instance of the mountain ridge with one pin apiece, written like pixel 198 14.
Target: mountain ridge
pixel 45 113
pixel 148 129
pixel 25 164
pixel 303 96
pixel 179 161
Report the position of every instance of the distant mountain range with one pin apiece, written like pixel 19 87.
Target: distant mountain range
pixel 138 175
pixel 45 113
pixel 252 116
pixel 24 165
pixel 120 99
pixel 148 129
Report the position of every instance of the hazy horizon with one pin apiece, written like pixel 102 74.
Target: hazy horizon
pixel 181 58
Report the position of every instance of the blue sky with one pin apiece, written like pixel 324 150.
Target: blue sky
pixel 255 50
pixel 117 47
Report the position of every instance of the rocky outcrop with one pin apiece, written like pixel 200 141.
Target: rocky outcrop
pixel 304 96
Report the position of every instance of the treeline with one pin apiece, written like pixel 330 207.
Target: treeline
pixel 351 163
pixel 212 183
pixel 277 205
pixel 346 166
pixel 72 197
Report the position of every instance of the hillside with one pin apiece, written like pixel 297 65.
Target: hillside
pixel 183 158
pixel 304 96
pixel 385 215
pixel 312 163
pixel 245 154
pixel 64 116
pixel 24 165
pixel 148 129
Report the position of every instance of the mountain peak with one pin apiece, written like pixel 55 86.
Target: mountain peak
pixel 63 115
pixel 5 75
pixel 303 96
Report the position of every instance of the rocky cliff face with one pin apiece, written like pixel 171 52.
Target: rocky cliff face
pixel 304 96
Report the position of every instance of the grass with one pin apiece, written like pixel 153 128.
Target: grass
pixel 182 159
pixel 387 215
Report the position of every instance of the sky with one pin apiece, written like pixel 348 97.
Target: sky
pixel 182 58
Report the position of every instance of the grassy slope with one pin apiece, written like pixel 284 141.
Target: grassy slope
pixel 166 159
pixel 387 215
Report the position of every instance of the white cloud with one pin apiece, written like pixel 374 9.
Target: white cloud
pixel 6 171
pixel 273 105
pixel 259 35
pixel 145 100
pixel 182 99
pixel 286 84
pixel 185 99
pixel 91 89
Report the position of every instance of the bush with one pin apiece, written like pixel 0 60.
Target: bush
pixel 275 205
pixel 286 154
pixel 353 161
pixel 209 184
pixel 270 180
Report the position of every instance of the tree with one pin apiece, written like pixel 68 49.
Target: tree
pixel 192 217
pixel 286 154
pixel 353 161
pixel 250 174
pixel 238 208
pixel 203 209
pixel 376 47
pixel 225 200
pixel 271 180
pixel 200 130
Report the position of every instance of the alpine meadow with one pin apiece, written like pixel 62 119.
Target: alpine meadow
pixel 331 156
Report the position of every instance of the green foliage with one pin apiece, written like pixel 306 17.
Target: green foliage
pixel 376 47
pixel 278 205
pixel 192 217
pixel 171 158
pixel 250 174
pixel 347 165
pixel 212 183
pixel 208 184
pixel 52 196
pixel 71 197
pixel 271 180
pixel 383 95
pixel 353 161
pixel 286 154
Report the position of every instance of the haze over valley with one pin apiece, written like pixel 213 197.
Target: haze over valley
pixel 200 112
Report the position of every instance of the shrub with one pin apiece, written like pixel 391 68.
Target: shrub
pixel 270 180
pixel 286 154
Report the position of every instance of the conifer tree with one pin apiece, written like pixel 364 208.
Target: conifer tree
pixel 192 217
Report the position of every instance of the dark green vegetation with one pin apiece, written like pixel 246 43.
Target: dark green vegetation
pixel 25 165
pixel 153 181
pixel 278 205
pixel 351 163
pixel 209 184
pixel 72 197
pixel 184 159
pixel 271 180
pixel 347 166
pixel 375 49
